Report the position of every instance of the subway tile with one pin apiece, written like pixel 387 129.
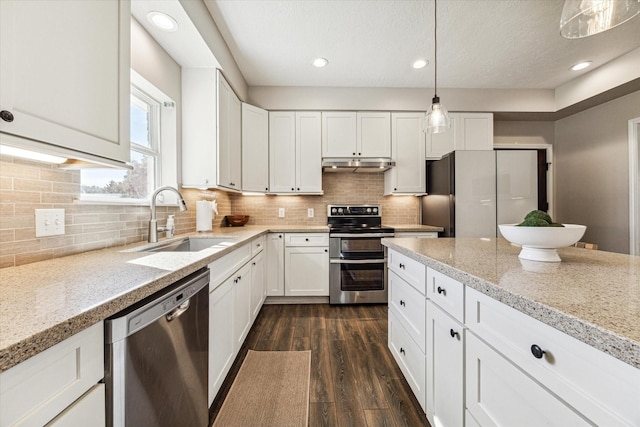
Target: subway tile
pixel 25 234
pixel 7 236
pixel 20 184
pixel 19 196
pixel 58 175
pixel 6 183
pixel 7 209
pixel 7 261
pixel 28 258
pixel 22 247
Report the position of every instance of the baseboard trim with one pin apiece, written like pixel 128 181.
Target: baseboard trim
pixel 297 300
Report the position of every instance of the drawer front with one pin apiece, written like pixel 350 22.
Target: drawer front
pixel 223 267
pixel 408 356
pixel 306 239
pixel 257 245
pixel 447 293
pixel 409 307
pixel 33 392
pixel 413 272
pixel 89 410
pixel 608 395
pixel 499 394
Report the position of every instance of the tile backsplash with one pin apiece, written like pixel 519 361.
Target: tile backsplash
pixel 26 186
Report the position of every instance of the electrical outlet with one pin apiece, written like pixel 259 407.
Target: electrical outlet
pixel 49 222
pixel 280 212
pixel 310 213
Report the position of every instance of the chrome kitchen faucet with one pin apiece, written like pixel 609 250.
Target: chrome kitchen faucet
pixel 153 222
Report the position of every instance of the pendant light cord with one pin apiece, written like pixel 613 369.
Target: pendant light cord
pixel 435 43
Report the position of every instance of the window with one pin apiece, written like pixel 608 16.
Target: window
pixel 153 145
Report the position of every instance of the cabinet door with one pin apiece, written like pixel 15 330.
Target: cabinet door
pixel 221 337
pixel 89 410
pixel 64 74
pixel 407 146
pixel 308 153
pixel 374 134
pixel 306 271
pixel 439 144
pixel 499 394
pixel 275 264
pixel 445 368
pixel 282 152
pixel 339 136
pixel 257 284
pixel 474 131
pixel 255 149
pixel 228 136
pixel 241 306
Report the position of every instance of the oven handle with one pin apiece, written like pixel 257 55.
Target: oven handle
pixel 357 261
pixel 357 235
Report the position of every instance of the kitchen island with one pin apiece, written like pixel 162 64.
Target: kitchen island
pixel 485 338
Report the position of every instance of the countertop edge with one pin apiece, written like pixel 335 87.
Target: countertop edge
pixel 622 348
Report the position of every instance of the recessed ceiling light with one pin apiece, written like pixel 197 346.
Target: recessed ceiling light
pixel 320 62
pixel 420 63
pixel 580 66
pixel 162 21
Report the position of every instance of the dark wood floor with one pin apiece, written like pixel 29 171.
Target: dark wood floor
pixel 354 379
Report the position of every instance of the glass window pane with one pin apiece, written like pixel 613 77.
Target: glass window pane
pixel 120 184
pixel 140 121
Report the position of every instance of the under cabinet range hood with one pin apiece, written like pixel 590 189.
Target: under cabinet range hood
pixel 357 165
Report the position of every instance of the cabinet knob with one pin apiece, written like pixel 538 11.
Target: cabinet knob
pixel 403 303
pixel 306 239
pixel 7 116
pixel 279 236
pixel 537 351
pixel 292 189
pixel 401 266
pixel 266 189
pixel 442 291
pixel 402 350
pixel 453 333
pixel 298 189
pixel 326 250
pixel 395 189
pixel 359 154
pixel 354 154
pixel 253 263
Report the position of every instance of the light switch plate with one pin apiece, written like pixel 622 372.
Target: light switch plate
pixel 49 222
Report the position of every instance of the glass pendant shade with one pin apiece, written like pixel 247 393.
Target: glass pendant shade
pixel 582 18
pixel 437 119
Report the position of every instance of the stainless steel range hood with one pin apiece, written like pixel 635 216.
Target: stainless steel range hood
pixel 357 165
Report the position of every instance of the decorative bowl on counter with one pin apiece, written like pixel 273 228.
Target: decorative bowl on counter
pixel 237 220
pixel 541 243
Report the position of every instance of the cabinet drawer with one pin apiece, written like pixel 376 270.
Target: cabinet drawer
pixel 447 293
pixel 499 394
pixel 409 307
pixel 257 245
pixel 306 239
pixel 33 392
pixel 225 266
pixel 608 395
pixel 408 356
pixel 89 410
pixel 413 272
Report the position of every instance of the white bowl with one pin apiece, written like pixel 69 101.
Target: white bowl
pixel 541 243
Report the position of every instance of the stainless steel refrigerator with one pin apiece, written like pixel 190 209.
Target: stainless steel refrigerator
pixel 470 192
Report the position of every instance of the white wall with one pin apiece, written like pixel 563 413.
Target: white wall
pixel 592 171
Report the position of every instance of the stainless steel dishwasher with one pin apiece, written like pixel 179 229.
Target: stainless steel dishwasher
pixel 157 358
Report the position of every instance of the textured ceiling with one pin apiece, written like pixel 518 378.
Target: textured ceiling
pixel 372 43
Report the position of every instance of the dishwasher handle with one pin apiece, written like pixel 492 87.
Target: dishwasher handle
pixel 177 312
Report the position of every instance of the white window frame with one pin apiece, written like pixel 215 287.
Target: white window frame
pixel 166 172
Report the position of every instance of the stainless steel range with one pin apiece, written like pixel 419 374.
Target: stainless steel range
pixel 357 259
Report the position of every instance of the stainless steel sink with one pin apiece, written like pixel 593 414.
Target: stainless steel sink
pixel 188 244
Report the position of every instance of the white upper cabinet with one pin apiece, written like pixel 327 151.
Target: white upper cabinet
pixel 211 131
pixel 255 149
pixel 469 131
pixel 407 143
pixel 295 152
pixel 229 135
pixel 64 74
pixel 351 134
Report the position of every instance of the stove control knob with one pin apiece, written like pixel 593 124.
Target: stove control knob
pixel 368 210
pixel 339 210
pixel 375 210
pixel 333 210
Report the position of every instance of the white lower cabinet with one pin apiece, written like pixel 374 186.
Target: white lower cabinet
pixel 500 394
pixel 241 305
pixel 221 337
pixel 258 284
pixel 275 264
pixel 306 264
pixel 445 368
pixel 48 385
pixel 89 410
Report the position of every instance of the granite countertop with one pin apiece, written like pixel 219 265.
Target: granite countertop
pixel 593 296
pixel 43 303
pixel 415 227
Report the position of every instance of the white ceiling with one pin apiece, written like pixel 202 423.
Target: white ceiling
pixel 372 43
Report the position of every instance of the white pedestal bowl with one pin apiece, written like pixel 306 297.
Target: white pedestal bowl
pixel 541 243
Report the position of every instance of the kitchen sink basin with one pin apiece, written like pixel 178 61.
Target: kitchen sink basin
pixel 188 244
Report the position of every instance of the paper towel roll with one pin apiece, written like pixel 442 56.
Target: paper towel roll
pixel 204 216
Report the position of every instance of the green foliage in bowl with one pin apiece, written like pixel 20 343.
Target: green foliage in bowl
pixel 538 219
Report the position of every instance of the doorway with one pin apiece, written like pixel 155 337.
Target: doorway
pixel 634 186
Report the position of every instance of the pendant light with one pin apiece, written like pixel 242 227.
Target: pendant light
pixel 437 119
pixel 583 18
